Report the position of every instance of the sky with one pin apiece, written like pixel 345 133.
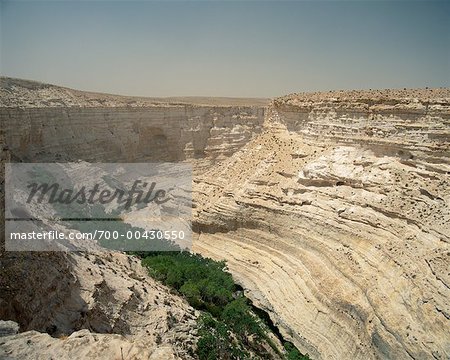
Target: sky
pixel 226 48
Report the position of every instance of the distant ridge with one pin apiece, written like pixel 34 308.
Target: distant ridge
pixel 10 86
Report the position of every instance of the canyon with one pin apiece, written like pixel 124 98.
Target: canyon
pixel 331 210
pixel 49 123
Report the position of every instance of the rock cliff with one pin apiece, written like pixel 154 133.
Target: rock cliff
pixel 47 123
pixel 331 209
pixel 336 221
pixel 104 305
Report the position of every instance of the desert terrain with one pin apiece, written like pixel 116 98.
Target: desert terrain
pixel 331 210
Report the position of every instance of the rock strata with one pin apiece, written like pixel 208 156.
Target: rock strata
pixel 331 209
pixel 49 123
pixel 336 220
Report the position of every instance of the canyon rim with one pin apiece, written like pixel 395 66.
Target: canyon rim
pixel 331 210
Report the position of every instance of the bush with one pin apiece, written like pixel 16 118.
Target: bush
pixel 238 315
pixel 292 353
pixel 215 341
pixel 229 329
pixel 204 282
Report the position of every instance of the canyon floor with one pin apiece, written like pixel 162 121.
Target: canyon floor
pixel 331 210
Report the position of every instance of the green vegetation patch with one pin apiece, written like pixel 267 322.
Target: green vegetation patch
pixel 228 328
pixel 204 282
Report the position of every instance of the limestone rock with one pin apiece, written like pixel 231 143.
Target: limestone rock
pixel 82 344
pixel 48 123
pixel 331 209
pixel 347 245
pixel 103 293
pixel 8 328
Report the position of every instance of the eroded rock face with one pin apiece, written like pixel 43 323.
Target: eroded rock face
pixel 333 213
pixel 80 345
pixel 104 293
pixel 49 123
pixel 336 220
pixel 93 305
pixel 8 328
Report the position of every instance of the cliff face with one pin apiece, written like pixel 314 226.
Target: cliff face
pixel 90 297
pixel 159 133
pixel 48 123
pixel 331 209
pixel 336 221
pixel 392 122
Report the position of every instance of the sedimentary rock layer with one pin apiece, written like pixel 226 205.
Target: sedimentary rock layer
pixel 166 133
pixel 48 123
pixel 104 305
pixel 333 212
pixel 336 221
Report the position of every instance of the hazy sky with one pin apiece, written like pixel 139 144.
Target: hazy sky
pixel 226 48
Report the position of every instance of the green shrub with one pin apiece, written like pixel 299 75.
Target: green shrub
pixel 204 282
pixel 215 341
pixel 292 352
pixel 229 329
pixel 238 315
